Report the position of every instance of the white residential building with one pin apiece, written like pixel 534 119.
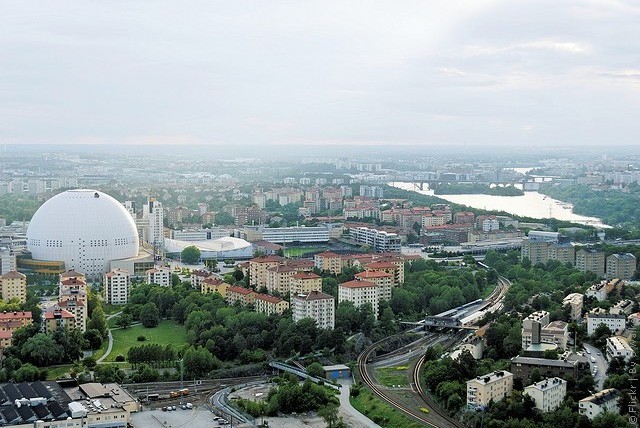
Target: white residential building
pixel 359 293
pixel 548 394
pixel 575 301
pixel 117 284
pixel 159 275
pixel 624 307
pixel 153 213
pixel 598 403
pixel 379 240
pixel 532 327
pixel 616 323
pixel 315 305
pixel 493 386
pixel 617 346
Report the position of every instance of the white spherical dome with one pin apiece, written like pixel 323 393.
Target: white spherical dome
pixel 85 229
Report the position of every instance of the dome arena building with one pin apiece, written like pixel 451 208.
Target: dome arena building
pixel 221 248
pixel 85 229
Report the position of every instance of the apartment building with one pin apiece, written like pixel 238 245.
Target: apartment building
pixel 464 217
pixel 240 294
pixel 315 305
pixel 258 267
pixel 491 387
pixel 72 297
pixel 379 240
pixel 160 275
pixel 10 322
pixel 575 301
pixel 617 346
pixel 383 280
pixel 392 266
pixel 267 304
pixel 564 252
pixel 522 367
pixel 548 394
pixel 615 322
pixel 153 222
pixel 14 286
pixel 329 262
pixel 214 285
pixel 621 265
pixel 590 260
pixel 600 402
pixel 624 307
pixel 279 278
pixel 359 293
pixel 305 283
pixel 117 284
pixel 55 318
pixel 197 276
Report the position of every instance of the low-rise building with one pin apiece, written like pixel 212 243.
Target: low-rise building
pixel 548 394
pixel 600 402
pixel 14 286
pixel 491 387
pixel 359 293
pixel 10 322
pixel 624 307
pixel 379 240
pixel 617 346
pixel 197 276
pixel 240 294
pixel 522 367
pixel 117 284
pixel 556 332
pixel 575 301
pixel 267 304
pixel 315 305
pixel 616 323
pixel 160 275
pixel 214 285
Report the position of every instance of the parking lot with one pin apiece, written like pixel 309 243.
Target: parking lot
pixel 198 417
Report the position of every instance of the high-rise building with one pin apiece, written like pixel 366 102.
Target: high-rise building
pixel 315 305
pixel 589 259
pixel 621 265
pixel 153 213
pixel 117 284
pixel 359 293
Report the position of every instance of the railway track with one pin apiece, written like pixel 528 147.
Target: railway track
pixel 441 420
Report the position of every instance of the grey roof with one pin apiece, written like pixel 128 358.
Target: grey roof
pixel 41 390
pixel 42 412
pixel 543 362
pixel 10 415
pixel 26 413
pixel 26 390
pixel 12 392
pixel 57 411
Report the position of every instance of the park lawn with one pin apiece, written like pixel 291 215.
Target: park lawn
pixel 380 412
pixel 167 332
pixel 393 376
pixel 58 372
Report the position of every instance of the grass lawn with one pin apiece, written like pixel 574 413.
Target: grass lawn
pixel 380 412
pixel 488 290
pixel 299 252
pixel 111 309
pixel 167 332
pixel 58 371
pixel 393 376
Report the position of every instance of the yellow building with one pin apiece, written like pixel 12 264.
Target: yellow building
pixel 240 294
pixel 279 278
pixel 491 387
pixel 10 322
pixel 214 285
pixel 258 267
pixel 267 304
pixel 56 319
pixel 305 283
pixel 392 267
pixel 14 286
pixel 329 262
pixel 73 297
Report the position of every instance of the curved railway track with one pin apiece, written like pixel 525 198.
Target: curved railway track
pixel 441 420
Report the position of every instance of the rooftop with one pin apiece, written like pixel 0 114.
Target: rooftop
pixel 357 284
pixel 314 295
pixel 547 384
pixel 491 377
pixel 602 397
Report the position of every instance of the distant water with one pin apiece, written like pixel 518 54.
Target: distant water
pixel 531 204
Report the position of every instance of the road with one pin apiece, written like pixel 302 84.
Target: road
pixel 110 338
pixel 351 416
pixel 601 362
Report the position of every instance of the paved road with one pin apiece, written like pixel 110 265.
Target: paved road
pixel 110 338
pixel 601 362
pixel 351 416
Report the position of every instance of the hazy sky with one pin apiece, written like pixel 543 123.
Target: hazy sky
pixel 426 72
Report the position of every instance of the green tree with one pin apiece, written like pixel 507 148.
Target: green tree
pixel 124 320
pixel 198 362
pixel 149 315
pixel 27 373
pixel 190 255
pixel 41 350
pixel 93 338
pixel 224 219
pixel 315 369
pixel 330 414
pixel 98 322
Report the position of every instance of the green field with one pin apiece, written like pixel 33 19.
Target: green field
pixel 167 332
pixel 300 251
pixel 381 413
pixel 393 376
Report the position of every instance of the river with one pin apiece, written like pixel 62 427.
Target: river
pixel 531 204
